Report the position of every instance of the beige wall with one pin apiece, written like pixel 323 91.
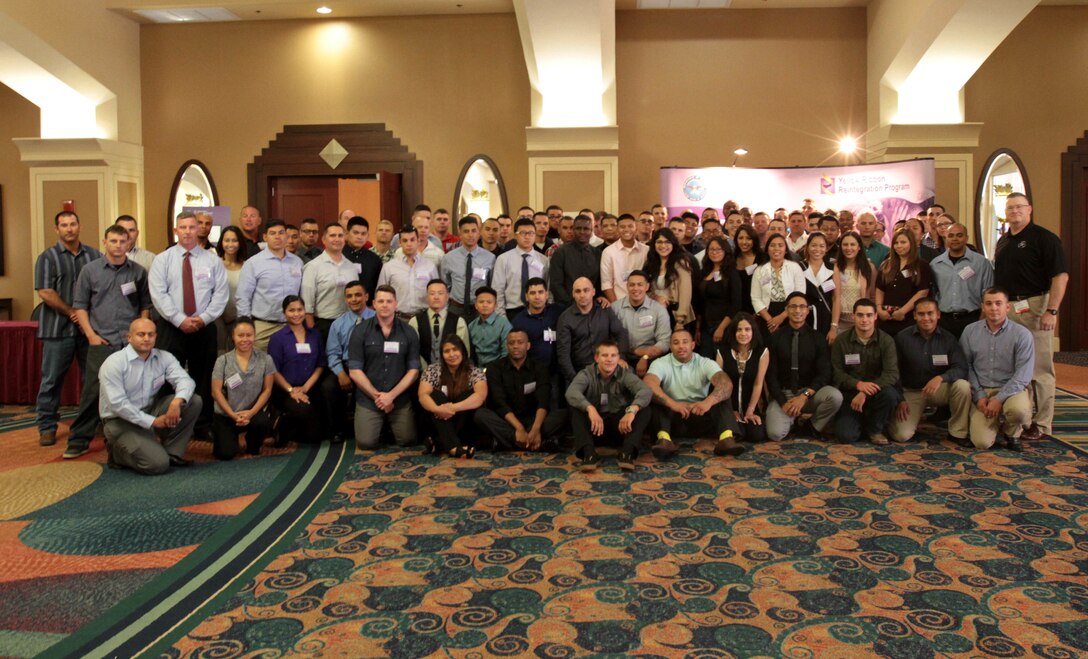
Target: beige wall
pixel 1032 96
pixel 101 42
pixel 447 87
pixel 20 119
pixel 694 85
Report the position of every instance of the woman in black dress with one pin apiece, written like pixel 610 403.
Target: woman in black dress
pixel 719 286
pixel 745 360
pixel 747 255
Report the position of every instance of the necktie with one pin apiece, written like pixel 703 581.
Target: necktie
pixel 435 340
pixel 188 293
pixel 795 378
pixel 524 276
pixel 467 296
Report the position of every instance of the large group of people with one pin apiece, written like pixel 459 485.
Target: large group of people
pixel 549 330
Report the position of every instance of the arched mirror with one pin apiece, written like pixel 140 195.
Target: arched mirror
pixel 1002 175
pixel 193 186
pixel 479 189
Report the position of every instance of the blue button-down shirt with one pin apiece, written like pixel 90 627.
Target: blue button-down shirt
pixel 265 280
pixel 209 284
pixel 336 346
pixel 129 384
pixel 1003 359
pixel 960 285
pixel 453 271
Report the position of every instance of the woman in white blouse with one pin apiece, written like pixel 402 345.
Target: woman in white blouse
pixel 820 282
pixel 773 281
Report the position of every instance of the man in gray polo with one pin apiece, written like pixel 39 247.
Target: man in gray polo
pixel 646 321
pixel 110 293
pixel 323 282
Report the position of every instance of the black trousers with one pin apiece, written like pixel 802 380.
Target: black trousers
pixel 300 422
pixel 197 353
pixel 339 405
pixel 956 322
pixel 225 434
pixel 83 428
pixel 496 426
pixel 718 419
pixel 458 430
pixel 323 325
pixel 584 440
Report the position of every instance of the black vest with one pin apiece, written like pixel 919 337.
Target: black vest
pixel 423 322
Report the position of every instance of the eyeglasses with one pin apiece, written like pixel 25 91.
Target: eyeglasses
pixel 794 307
pixel 662 242
pixel 526 233
pixel 1015 207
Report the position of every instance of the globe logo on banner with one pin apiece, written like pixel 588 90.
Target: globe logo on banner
pixel 827 185
pixel 694 189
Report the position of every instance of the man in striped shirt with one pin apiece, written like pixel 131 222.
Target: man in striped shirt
pixel 55 274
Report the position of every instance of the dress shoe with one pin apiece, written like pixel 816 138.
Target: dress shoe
pixel 1013 444
pixel 960 442
pixel 74 451
pixel 590 461
pixel 47 438
pixel 664 449
pixel 178 461
pixel 1033 433
pixel 724 448
pixel 879 439
pixel 626 461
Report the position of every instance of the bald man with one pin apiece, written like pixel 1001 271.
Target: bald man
pixel 147 428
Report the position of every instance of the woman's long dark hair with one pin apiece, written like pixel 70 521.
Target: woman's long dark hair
pixel 893 264
pixel 757 249
pixel 454 381
pixel 861 261
pixel 240 255
pixel 767 252
pixel 730 338
pixel 677 257
pixel 727 260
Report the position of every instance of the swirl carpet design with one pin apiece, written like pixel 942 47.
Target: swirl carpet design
pixel 800 549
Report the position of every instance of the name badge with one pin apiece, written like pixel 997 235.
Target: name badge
pixel 358 268
pixel 906 273
pixel 549 335
pixel 604 399
pixel 624 275
pixel 302 348
pixel 750 269
pixel 529 387
pixel 940 360
pixel 341 280
pixel 967 273
pixel 828 285
pixel 717 275
pixel 423 278
pixel 536 269
pixel 157 383
pixel 296 273
pixel 128 288
pixel 234 381
pixel 391 347
pixel 645 321
pixel 853 359
pixel 479 274
pixel 765 280
pixel 262 245
pixel 445 392
pixel 845 277
pixel 203 274
pixel 1021 306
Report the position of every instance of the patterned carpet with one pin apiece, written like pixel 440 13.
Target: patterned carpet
pixel 799 550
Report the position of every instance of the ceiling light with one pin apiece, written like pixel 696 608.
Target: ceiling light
pixel 324 10
pixel 740 151
pixel 848 145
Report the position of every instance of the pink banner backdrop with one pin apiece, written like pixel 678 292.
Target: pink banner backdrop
pixel 892 191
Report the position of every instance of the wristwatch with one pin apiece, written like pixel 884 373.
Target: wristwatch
pixel 290 390
pixel 809 393
pixel 646 358
pixel 631 409
pixel 1052 312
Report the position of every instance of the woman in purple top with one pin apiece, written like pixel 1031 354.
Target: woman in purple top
pixel 300 360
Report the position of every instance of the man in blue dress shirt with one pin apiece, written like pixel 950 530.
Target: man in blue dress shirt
pixel 266 278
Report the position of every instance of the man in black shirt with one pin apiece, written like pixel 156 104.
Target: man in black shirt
pixel 518 401
pixel 1030 265
pixel 368 265
pixel 582 327
pixel 799 379
pixel 573 260
pixel 932 371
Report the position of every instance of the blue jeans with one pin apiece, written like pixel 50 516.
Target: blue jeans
pixel 871 421
pixel 57 357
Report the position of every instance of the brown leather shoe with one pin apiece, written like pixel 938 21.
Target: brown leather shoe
pixel 47 438
pixel 1032 433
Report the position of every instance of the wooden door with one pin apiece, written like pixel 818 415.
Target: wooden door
pixel 1073 318
pixel 294 198
pixel 364 196
pixel 391 197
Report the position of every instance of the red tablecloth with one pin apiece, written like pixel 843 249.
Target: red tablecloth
pixel 21 366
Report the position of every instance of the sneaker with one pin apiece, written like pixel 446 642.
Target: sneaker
pixel 879 439
pixel 47 438
pixel 664 449
pixel 626 461
pixel 74 451
pixel 590 461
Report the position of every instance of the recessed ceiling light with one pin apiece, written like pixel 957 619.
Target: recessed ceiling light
pixel 324 10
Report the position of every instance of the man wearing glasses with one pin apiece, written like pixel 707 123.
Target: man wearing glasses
pixel 1030 265
pixel 515 267
pixel 309 249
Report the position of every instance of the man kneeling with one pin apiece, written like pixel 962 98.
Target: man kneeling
pixel 684 402
pixel 137 414
pixel 607 400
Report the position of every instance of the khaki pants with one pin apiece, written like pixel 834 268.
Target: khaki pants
pixel 264 331
pixel 1017 410
pixel 1045 377
pixel 956 396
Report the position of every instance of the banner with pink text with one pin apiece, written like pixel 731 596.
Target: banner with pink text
pixel 892 190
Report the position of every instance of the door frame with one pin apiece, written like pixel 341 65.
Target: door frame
pixel 1074 237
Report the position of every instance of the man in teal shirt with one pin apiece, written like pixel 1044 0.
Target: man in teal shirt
pixel 870 241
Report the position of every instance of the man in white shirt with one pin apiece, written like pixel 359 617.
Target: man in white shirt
pixel 620 258
pixel 408 274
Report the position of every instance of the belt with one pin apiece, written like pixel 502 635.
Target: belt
pixel 271 322
pixel 960 314
pixel 405 316
pixel 1017 298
